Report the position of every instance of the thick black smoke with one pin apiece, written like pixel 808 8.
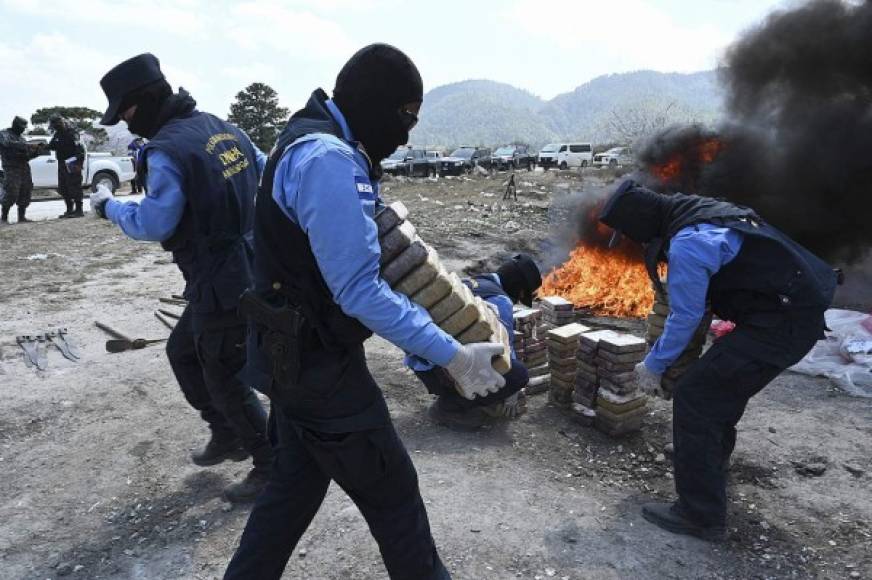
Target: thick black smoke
pixel 798 144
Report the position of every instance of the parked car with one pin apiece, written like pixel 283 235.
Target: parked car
pixel 434 158
pixel 389 165
pixel 575 155
pixel 513 157
pixel 547 156
pixel 464 159
pixel 99 168
pixel 614 157
pixel 416 164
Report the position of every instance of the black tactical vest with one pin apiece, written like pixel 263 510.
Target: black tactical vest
pixel 771 279
pixel 285 267
pixel 212 244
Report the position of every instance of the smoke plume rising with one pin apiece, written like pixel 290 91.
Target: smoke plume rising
pixel 797 146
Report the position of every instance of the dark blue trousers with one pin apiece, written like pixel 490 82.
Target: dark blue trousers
pixel 708 402
pixel 371 466
pixel 206 362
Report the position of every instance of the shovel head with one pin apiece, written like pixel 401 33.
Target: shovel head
pixel 118 345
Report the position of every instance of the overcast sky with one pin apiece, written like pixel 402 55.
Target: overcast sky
pixel 54 52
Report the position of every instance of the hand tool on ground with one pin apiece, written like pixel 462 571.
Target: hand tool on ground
pixel 58 338
pixel 122 342
pixel 41 354
pixel 164 320
pixel 28 345
pixel 122 345
pixel 169 313
pixel 174 301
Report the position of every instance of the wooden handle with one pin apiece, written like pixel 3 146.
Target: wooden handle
pixel 112 332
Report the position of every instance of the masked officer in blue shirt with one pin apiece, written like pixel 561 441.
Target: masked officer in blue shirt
pixel 318 295
pixel 516 280
pixel 775 291
pixel 201 175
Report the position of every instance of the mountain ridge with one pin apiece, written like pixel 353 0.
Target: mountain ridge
pixel 606 109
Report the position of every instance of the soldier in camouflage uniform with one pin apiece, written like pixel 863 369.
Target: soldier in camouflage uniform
pixel 18 184
pixel 66 145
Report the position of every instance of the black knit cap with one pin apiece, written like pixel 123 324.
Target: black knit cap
pixel 520 278
pixel 380 73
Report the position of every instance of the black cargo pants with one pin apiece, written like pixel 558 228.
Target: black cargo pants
pixel 206 360
pixel 708 402
pixel 371 466
pixel 70 186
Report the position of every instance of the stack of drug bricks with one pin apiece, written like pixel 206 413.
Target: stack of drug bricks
pixel 531 350
pixel 562 348
pixel 655 323
pixel 556 312
pixel 413 268
pixel 606 392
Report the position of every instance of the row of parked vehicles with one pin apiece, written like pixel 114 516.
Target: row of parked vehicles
pixel 574 155
pixel 415 162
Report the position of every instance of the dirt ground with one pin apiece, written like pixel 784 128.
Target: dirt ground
pixel 97 482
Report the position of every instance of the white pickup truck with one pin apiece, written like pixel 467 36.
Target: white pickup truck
pixel 105 168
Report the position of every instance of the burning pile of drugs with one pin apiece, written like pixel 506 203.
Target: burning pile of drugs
pixel 413 268
pixel 530 349
pixel 605 382
pixel 556 311
pixel 655 323
pixel 562 348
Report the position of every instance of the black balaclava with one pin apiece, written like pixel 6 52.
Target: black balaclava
pixel 18 125
pixel 370 90
pixel 520 278
pixel 636 212
pixel 148 100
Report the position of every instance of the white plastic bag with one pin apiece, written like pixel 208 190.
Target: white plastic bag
pixel 845 356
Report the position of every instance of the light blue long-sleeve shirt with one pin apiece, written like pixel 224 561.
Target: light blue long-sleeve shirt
pixel 322 184
pixel 156 217
pixel 696 253
pixel 505 313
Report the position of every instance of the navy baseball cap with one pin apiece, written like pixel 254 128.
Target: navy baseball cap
pixel 125 78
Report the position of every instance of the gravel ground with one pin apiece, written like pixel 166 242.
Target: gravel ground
pixel 97 482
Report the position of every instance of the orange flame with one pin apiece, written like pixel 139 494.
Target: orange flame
pixel 676 166
pixel 608 282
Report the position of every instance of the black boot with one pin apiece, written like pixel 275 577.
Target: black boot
pixel 77 212
pixel 220 448
pixel 671 518
pixel 4 216
pixel 67 213
pixel 248 489
pixel 22 219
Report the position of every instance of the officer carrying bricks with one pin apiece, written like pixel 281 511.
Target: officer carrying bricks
pixel 317 267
